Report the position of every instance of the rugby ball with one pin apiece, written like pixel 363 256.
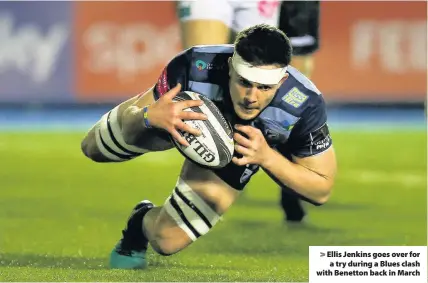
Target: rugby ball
pixel 214 147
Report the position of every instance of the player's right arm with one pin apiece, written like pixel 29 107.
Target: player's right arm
pixel 99 144
pixel 122 133
pixel 144 122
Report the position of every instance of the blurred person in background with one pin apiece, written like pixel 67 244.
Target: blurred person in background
pixel 206 22
pixel 299 20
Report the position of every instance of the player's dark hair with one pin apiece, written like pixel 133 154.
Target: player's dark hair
pixel 264 45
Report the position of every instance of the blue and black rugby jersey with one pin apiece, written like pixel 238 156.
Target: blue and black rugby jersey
pixel 295 122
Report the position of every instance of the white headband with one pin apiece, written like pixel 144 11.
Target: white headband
pixel 255 74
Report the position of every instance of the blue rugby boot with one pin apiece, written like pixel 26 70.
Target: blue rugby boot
pixel 130 251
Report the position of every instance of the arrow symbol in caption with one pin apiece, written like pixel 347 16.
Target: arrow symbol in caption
pixel 322 254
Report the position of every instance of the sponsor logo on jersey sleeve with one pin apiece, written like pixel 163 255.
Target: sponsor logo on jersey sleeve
pixel 249 171
pixel 322 144
pixel 201 65
pixel 320 139
pixel 295 97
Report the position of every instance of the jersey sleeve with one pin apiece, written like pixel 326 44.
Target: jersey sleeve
pixel 176 71
pixel 310 136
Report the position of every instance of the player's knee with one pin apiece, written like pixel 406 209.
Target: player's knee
pixel 89 149
pixel 163 247
pixel 167 239
pixel 84 147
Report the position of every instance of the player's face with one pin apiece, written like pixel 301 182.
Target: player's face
pixel 250 98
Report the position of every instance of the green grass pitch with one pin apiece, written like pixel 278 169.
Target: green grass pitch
pixel 61 214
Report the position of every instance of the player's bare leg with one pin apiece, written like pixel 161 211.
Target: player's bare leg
pixel 198 201
pixel 305 64
pixel 204 32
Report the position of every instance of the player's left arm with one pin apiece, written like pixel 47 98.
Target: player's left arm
pixel 312 171
pixel 311 177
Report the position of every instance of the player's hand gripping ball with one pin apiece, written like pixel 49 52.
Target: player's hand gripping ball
pixel 215 146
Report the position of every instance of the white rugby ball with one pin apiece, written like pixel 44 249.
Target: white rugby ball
pixel 214 147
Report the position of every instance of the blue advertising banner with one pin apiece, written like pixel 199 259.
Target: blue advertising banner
pixel 35 52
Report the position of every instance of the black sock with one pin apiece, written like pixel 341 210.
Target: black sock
pixel 292 206
pixel 133 236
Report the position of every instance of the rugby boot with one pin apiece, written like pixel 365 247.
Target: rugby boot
pixel 130 251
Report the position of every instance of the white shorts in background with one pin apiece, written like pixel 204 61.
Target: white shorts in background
pixel 237 15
